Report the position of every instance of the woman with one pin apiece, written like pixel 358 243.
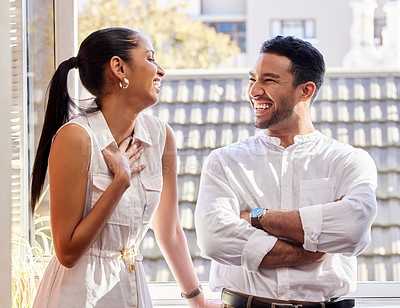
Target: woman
pixel 111 172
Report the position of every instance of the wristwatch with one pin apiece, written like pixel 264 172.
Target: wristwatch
pixel 255 216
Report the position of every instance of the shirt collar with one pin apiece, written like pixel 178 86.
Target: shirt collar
pixel 313 136
pixel 104 136
pixel 100 129
pixel 269 139
pixel 141 131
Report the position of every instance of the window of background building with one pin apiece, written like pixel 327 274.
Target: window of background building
pixel 300 28
pixel 379 25
pixel 237 31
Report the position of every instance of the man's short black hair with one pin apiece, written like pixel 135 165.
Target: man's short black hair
pixel 307 63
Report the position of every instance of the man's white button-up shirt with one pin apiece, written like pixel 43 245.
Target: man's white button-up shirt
pixel 306 176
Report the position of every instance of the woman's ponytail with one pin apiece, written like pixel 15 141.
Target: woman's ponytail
pixel 94 54
pixel 57 113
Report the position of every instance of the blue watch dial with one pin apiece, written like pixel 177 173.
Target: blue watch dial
pixel 257 211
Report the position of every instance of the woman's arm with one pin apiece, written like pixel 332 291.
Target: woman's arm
pixel 68 172
pixel 168 230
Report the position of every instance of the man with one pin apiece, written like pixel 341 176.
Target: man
pixel 312 199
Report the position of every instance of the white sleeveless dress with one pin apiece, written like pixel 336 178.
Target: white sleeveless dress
pixel 110 274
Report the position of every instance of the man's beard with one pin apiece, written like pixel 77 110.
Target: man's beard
pixel 284 111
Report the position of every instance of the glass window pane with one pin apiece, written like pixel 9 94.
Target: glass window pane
pixel 309 29
pixel 242 43
pixel 40 70
pixel 379 25
pixel 291 27
pixel 32 68
pixel 241 27
pixel 226 27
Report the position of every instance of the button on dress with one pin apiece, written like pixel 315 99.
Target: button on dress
pixel 110 273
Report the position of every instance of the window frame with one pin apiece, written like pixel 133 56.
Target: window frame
pixel 5 155
pixel 281 23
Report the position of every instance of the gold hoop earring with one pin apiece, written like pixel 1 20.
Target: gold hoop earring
pixel 124 84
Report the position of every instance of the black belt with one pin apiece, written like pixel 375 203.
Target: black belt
pixel 240 301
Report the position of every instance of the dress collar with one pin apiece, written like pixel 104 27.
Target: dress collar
pixel 141 131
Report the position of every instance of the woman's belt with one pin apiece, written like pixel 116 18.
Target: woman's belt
pixel 129 256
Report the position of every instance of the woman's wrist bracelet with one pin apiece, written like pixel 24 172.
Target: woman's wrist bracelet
pixel 192 294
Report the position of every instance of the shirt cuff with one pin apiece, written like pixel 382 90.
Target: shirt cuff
pixel 257 246
pixel 311 219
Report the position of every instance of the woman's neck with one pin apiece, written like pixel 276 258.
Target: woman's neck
pixel 120 120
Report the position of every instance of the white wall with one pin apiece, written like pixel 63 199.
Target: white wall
pixel 379 10
pixel 5 157
pixel 224 7
pixel 193 7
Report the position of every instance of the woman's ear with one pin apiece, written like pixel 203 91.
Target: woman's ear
pixel 307 91
pixel 117 67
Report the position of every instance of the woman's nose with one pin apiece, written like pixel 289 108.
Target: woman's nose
pixel 160 70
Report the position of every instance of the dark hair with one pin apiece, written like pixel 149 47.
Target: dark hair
pixel 94 54
pixel 307 63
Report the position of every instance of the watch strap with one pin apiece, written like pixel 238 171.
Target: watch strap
pixel 255 222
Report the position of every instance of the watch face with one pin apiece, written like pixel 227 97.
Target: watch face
pixel 256 212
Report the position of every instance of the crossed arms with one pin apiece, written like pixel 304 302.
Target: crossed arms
pixel 225 235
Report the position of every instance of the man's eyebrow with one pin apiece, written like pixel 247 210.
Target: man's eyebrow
pixel 265 75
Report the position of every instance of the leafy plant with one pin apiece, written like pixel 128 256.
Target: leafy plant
pixel 29 262
pixel 179 42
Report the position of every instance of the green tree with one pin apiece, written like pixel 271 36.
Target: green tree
pixel 178 41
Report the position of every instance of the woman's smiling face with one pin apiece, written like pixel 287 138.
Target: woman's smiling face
pixel 145 74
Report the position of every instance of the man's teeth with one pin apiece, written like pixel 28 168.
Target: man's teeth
pixel 263 106
pixel 157 83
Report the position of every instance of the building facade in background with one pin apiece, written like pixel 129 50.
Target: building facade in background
pixel 349 33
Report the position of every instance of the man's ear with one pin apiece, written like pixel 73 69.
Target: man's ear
pixel 307 90
pixel 117 67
